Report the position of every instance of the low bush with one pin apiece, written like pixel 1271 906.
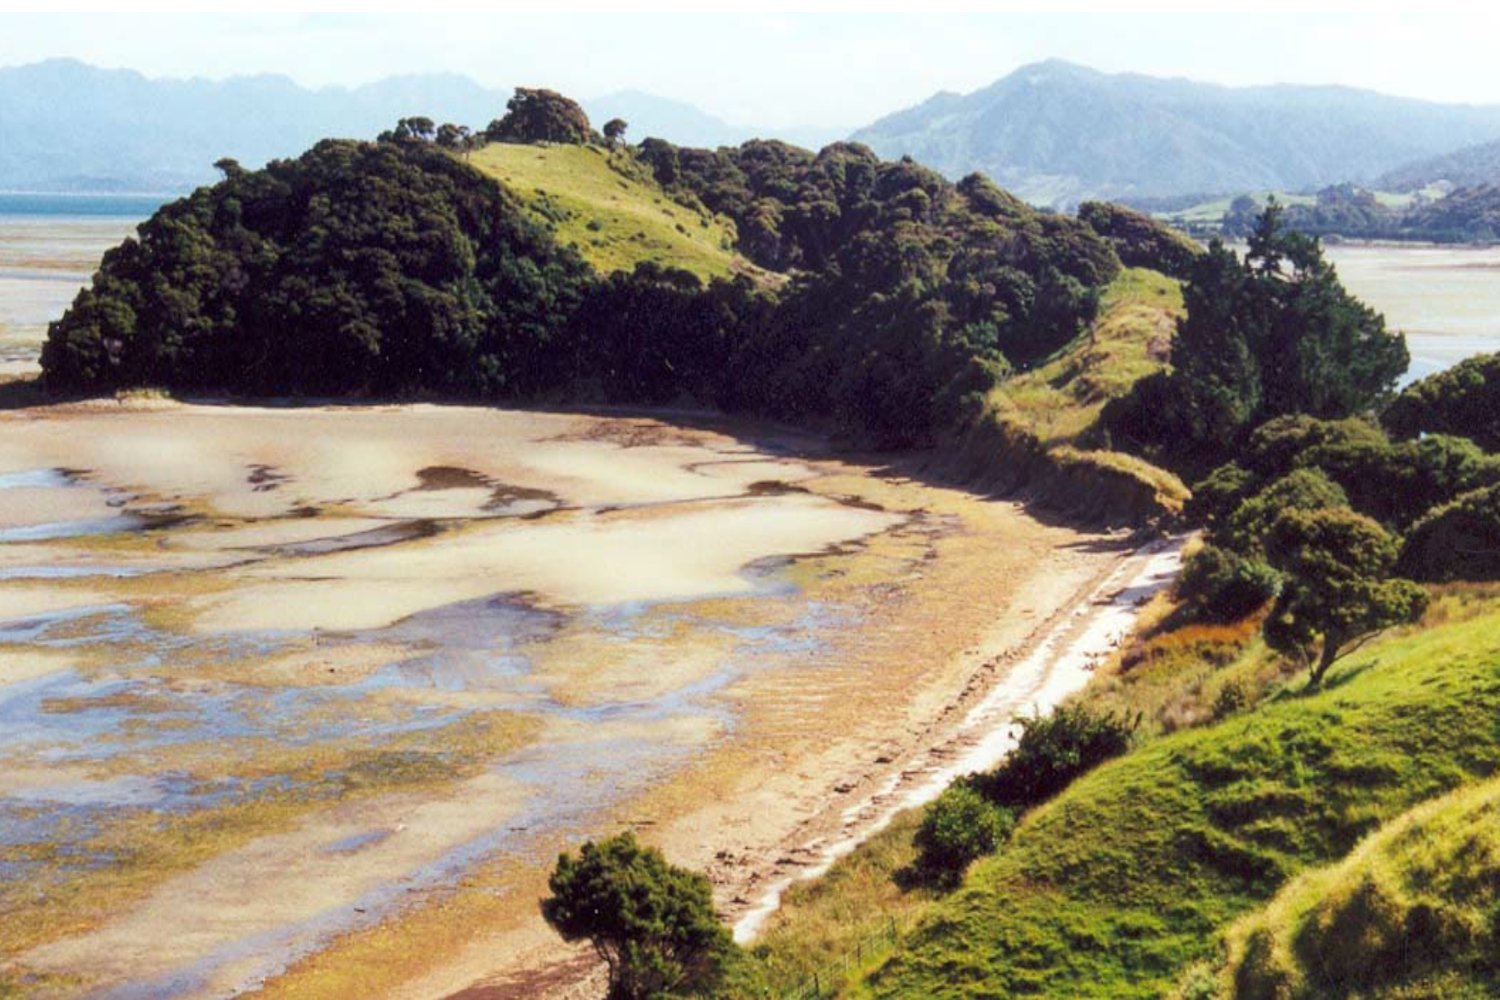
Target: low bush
pixel 1053 750
pixel 960 826
pixel 1223 586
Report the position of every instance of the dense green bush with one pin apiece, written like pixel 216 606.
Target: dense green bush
pixel 1245 528
pixel 385 268
pixel 536 115
pixel 1336 588
pixel 1139 240
pixel 1224 586
pixel 1269 335
pixel 1463 400
pixel 1052 751
pixel 1457 541
pixel 959 826
pixel 652 923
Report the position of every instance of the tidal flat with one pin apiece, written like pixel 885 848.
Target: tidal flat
pixel 302 698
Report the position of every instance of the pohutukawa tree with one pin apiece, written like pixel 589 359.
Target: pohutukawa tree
pixel 1336 589
pixel 651 922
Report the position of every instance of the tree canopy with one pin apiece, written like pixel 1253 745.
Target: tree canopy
pixel 356 268
pixel 1273 334
pixel 393 269
pixel 651 922
pixel 539 115
pixel 1337 587
pixel 1463 400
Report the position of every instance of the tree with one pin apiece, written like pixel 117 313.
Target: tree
pixel 652 923
pixel 1459 540
pixel 1054 750
pixel 1336 589
pixel 418 128
pixel 538 115
pixel 614 130
pixel 1271 335
pixel 1464 400
pixel 1244 530
pixel 454 137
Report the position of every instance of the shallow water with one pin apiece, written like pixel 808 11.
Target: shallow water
pixel 44 261
pixel 1445 299
pixel 163 709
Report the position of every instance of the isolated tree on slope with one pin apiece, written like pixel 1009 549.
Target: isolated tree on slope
pixel 537 115
pixel 1336 588
pixel 614 130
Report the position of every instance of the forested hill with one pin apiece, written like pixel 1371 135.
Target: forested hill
pixel 1057 133
pixel 1467 167
pixel 868 297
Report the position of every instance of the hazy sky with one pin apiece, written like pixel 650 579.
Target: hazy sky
pixel 777 69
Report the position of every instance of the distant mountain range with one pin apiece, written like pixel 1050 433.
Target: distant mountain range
pixel 687 125
pixel 1056 133
pixel 68 126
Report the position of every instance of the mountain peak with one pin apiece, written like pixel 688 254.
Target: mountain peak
pixel 1056 133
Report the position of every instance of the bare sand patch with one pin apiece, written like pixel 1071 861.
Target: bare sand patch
pixel 17 665
pixel 622 557
pixel 43 505
pixel 19 601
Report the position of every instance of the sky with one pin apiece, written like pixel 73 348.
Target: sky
pixel 779 68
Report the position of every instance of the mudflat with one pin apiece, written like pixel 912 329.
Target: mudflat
pixel 305 700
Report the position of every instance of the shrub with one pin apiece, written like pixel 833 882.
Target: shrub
pixel 1230 699
pixel 1216 495
pixel 960 826
pixel 1458 541
pixel 538 115
pixel 652 923
pixel 1054 750
pixel 1336 586
pixel 1222 586
pixel 1465 400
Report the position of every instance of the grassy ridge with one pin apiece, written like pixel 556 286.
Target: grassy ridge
pixel 1039 430
pixel 1413 911
pixel 1060 400
pixel 616 221
pixel 1116 887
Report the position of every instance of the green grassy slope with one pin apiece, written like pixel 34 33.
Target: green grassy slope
pixel 616 218
pixel 1117 886
pixel 1044 420
pixel 1060 400
pixel 1413 911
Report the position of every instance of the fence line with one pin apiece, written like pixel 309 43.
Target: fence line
pixel 826 980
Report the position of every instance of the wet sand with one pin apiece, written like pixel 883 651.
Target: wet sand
pixel 386 661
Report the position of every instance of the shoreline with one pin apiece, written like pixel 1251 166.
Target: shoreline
pixel 970 730
pixel 1043 674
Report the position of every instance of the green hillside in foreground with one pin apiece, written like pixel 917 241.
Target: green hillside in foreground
pixel 613 217
pixel 1414 911
pixel 1127 883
